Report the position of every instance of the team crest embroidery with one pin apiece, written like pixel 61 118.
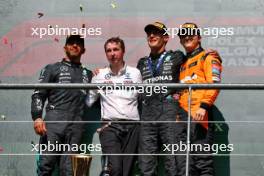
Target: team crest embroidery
pixel 167 59
pixel 84 72
pixel 108 76
pixel 64 68
pixel 127 76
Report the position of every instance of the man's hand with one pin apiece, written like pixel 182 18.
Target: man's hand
pixel 40 126
pixel 96 71
pixel 200 114
pixel 212 52
pixel 176 96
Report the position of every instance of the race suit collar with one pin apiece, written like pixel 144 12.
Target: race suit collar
pixel 156 56
pixel 195 52
pixel 71 64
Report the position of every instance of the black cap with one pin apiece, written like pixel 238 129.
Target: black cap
pixel 156 26
pixel 78 39
pixel 189 29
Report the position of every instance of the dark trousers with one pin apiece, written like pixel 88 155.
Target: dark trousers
pixel 120 138
pixel 153 137
pixel 199 165
pixel 59 133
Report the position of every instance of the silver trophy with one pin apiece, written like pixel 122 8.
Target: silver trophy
pixel 81 165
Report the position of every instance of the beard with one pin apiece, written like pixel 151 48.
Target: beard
pixel 73 57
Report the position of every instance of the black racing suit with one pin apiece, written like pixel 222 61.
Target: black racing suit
pixel 63 105
pixel 163 68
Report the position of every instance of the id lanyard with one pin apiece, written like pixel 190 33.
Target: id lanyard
pixel 157 69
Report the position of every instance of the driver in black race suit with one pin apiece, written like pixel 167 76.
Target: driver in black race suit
pixel 63 105
pixel 160 66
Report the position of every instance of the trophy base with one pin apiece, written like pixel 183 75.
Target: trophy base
pixel 81 165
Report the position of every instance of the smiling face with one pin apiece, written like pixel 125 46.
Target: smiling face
pixel 156 40
pixel 114 53
pixel 190 42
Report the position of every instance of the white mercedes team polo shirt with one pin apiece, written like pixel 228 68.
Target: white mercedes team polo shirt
pixel 116 104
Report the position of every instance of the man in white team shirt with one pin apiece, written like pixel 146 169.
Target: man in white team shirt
pixel 119 109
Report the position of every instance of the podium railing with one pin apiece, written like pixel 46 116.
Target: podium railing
pixel 190 87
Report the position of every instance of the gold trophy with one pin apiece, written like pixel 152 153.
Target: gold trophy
pixel 81 165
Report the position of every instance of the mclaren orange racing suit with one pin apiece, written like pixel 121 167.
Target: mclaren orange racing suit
pixel 200 68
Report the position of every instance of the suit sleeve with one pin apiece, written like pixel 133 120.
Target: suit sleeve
pixel 90 75
pixel 139 64
pixel 212 69
pixel 139 80
pixel 180 58
pixel 40 95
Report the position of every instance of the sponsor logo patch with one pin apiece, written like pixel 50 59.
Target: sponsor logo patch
pixel 167 58
pixel 108 76
pixel 192 64
pixel 216 71
pixel 127 76
pixel 216 79
pixel 64 68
